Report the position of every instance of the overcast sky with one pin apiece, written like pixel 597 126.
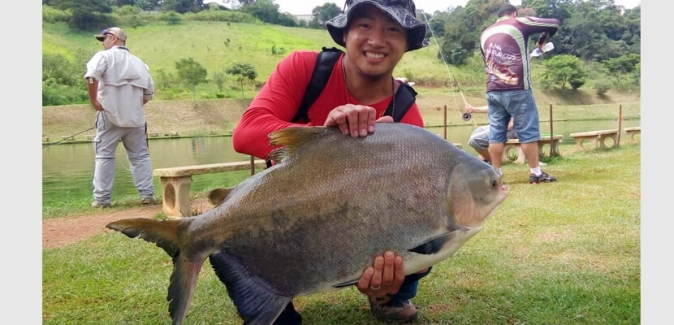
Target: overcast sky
pixel 298 7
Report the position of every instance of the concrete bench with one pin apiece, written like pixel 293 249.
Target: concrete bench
pixel 597 138
pixel 175 183
pixel 514 144
pixel 631 132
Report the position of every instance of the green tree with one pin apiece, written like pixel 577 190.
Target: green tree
pixel 219 80
pixel 243 72
pixel 192 73
pixel 463 27
pixel 86 14
pixel 62 81
pixel 182 6
pixel 564 69
pixel 265 10
pixel 622 65
pixel 323 13
pixel 61 70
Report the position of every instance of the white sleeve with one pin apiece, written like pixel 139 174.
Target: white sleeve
pixel 96 66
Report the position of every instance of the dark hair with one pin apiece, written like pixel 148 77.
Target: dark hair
pixel 506 10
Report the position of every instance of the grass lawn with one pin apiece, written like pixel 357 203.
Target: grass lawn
pixel 560 253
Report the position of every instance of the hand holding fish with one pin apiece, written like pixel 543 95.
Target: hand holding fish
pixel 384 277
pixel 357 120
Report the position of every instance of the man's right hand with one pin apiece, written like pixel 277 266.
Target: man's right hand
pixel 97 106
pixel 356 120
pixel 469 108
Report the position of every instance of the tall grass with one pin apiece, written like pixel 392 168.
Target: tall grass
pixel 560 253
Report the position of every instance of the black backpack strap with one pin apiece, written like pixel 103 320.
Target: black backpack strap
pixel 325 62
pixel 404 98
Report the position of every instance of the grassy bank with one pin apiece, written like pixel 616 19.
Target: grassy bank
pixel 560 253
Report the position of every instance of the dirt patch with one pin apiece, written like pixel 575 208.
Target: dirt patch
pixel 65 231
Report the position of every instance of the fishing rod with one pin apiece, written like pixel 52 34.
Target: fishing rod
pixel 465 116
pixel 72 136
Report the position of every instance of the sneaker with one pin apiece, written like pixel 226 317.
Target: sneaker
pixel 147 200
pixel 542 178
pixel 101 205
pixel 393 310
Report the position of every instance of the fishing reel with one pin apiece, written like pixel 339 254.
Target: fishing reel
pixel 466 116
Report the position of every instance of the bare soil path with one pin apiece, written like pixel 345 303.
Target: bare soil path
pixel 69 230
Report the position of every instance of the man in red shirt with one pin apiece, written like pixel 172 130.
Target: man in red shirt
pixel 376 34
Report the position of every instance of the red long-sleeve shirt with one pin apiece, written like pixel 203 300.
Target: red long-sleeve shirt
pixel 279 99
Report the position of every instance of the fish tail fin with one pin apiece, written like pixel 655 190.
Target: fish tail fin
pixel 162 233
pixel 181 289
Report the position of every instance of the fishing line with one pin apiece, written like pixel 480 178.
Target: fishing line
pixel 67 138
pixel 465 116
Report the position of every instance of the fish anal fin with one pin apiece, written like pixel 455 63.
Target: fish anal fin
pixel 255 300
pixel 434 245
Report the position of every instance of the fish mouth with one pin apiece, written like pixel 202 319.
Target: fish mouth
pixel 489 209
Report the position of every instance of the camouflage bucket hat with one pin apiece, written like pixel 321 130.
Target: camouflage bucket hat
pixel 403 11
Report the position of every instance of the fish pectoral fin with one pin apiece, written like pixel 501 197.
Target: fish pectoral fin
pixel 255 300
pixel 346 284
pixel 218 195
pixel 434 245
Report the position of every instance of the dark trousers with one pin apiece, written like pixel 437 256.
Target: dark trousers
pixel 408 290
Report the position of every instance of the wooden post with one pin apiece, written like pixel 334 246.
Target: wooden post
pixel 620 124
pixel 252 165
pixel 444 123
pixel 552 134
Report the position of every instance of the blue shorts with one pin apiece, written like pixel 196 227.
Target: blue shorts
pixel 521 106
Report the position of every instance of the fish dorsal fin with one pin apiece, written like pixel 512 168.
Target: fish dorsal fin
pixel 292 138
pixel 255 300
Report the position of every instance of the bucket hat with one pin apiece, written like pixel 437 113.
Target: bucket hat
pixel 402 11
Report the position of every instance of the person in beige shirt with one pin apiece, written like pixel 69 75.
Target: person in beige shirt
pixel 119 84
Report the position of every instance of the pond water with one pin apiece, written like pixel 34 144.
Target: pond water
pixel 67 169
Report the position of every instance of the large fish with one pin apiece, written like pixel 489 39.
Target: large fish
pixel 317 219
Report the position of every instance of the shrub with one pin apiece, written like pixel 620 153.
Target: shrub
pixel 576 83
pixel 53 15
pixel 171 18
pixel 54 93
pixel 602 87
